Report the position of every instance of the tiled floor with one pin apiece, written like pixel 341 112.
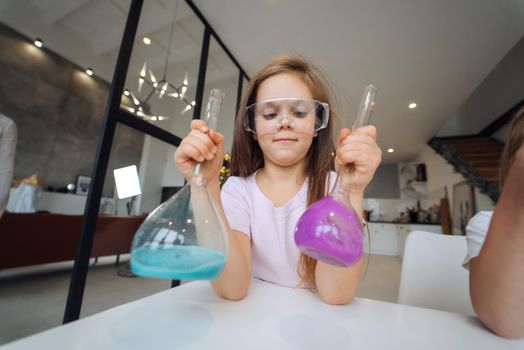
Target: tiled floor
pixel 382 279
pixel 32 301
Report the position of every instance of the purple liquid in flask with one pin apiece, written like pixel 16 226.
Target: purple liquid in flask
pixel 330 230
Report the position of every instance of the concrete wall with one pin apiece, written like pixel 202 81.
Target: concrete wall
pixel 59 111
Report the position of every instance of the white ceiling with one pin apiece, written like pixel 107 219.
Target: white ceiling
pixel 432 52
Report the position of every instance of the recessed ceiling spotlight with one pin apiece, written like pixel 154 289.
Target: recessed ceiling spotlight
pixel 89 71
pixel 412 105
pixel 38 42
pixel 391 150
pixel 126 92
pixel 146 40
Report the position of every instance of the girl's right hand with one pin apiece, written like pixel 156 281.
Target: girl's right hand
pixel 199 145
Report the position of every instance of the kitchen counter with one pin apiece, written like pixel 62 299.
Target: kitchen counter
pixel 404 223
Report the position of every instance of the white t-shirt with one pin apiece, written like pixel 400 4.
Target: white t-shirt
pixel 271 229
pixel 476 234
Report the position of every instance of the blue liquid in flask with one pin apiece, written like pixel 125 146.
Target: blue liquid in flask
pixel 178 262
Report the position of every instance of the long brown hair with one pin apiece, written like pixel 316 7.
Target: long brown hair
pixel 514 140
pixel 247 157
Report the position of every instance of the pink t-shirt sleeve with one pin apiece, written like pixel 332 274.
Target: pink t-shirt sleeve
pixel 234 199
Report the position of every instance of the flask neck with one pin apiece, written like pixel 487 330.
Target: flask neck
pixel 198 178
pixel 342 186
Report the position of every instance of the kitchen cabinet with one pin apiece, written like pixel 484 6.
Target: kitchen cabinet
pixel 390 238
pixel 383 239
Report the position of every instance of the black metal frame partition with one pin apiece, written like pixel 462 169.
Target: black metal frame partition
pixel 114 114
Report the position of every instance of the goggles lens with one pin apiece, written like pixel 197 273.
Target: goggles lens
pixel 300 113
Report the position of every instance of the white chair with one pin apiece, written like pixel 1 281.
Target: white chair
pixel 432 274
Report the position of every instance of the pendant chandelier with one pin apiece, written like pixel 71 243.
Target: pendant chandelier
pixel 149 86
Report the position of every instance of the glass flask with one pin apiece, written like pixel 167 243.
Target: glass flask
pixel 330 230
pixel 184 237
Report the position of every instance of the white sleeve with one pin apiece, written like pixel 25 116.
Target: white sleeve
pixel 476 234
pixel 234 199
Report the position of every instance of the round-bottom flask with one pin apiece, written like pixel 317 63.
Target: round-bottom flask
pixel 331 231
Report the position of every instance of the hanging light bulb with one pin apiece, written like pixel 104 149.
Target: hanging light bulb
pixel 163 89
pixel 135 99
pixel 153 79
pixel 188 107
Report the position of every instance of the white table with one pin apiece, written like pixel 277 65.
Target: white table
pixel 270 317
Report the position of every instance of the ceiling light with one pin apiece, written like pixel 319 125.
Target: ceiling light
pixel 391 150
pixel 89 71
pixel 126 92
pixel 38 42
pixel 146 40
pixel 412 105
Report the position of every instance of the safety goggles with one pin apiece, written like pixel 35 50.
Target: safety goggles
pixel 298 113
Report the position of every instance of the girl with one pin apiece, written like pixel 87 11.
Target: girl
pixel 281 163
pixel 496 245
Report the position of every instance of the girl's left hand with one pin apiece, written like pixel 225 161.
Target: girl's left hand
pixel 358 149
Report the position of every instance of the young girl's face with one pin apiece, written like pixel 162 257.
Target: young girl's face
pixel 285 138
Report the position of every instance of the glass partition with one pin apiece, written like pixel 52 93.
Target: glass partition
pixel 245 82
pixel 222 74
pixel 58 106
pixel 163 71
pixel 56 91
pixel 157 178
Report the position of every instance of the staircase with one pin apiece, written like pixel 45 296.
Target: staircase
pixel 477 158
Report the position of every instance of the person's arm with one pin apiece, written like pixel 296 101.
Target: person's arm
pixel 8 138
pixel 233 283
pixel 359 150
pixel 497 274
pixel 202 144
